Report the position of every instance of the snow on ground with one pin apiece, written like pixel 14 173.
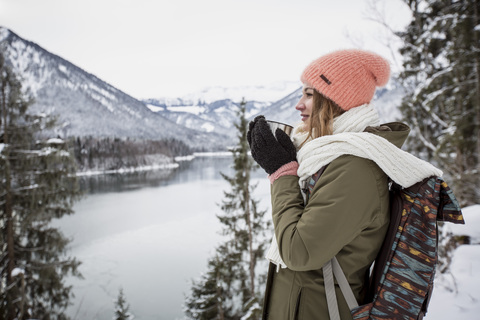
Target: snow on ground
pixel 456 294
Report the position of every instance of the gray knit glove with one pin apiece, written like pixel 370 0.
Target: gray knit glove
pixel 269 151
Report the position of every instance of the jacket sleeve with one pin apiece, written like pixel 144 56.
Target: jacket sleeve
pixel 344 202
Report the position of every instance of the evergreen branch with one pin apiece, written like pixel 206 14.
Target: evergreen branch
pixel 422 138
pixel 66 263
pixel 30 187
pixel 430 79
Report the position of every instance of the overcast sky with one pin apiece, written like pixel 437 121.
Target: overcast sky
pixel 158 48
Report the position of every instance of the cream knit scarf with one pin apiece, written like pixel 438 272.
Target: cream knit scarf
pixel 349 138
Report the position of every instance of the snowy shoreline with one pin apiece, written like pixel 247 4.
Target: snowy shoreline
pixel 128 170
pixel 203 155
pixel 168 166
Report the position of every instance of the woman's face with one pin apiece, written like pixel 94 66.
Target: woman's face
pixel 305 104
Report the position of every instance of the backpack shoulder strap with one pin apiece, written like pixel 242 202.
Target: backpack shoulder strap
pixel 330 294
pixel 390 237
pixel 343 284
pixel 330 269
pixel 309 184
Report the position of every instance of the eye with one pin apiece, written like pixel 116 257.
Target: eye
pixel 308 93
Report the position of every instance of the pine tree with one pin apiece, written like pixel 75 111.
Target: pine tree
pixel 441 74
pixel 37 185
pixel 121 308
pixel 243 222
pixel 231 289
pixel 207 300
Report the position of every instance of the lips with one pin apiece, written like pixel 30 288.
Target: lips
pixel 304 117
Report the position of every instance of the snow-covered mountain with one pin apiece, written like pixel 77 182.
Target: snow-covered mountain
pixel 215 109
pixel 218 116
pixel 87 106
pixel 84 104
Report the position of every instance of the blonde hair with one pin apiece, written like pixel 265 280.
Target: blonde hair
pixel 324 111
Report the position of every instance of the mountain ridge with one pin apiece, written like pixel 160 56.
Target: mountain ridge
pixel 268 93
pixel 85 104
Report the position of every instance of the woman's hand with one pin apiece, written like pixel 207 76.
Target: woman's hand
pixel 269 151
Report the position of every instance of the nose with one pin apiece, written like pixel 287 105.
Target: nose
pixel 300 105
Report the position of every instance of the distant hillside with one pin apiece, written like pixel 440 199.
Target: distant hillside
pixel 215 109
pixel 86 105
pixel 218 116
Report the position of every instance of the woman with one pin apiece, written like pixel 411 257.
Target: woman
pixel 346 214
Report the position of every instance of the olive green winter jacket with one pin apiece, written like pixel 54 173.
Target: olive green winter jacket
pixel 346 216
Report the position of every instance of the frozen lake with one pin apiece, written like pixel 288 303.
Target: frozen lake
pixel 149 233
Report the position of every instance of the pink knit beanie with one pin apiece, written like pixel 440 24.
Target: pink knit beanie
pixel 348 77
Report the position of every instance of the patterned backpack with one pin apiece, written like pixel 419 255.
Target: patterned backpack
pixel 401 282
